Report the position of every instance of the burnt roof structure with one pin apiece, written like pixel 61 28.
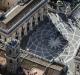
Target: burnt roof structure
pixel 45 42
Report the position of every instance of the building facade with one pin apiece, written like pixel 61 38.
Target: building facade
pixel 22 19
pixel 13 56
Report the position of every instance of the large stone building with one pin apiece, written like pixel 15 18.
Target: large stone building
pixel 21 19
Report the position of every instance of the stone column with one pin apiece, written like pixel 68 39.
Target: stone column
pixel 30 21
pixel 41 14
pixel 13 36
pixel 46 9
pixel 19 31
pixel 25 28
pixel 36 19
pixel 3 38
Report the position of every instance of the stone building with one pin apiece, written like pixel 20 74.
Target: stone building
pixel 13 56
pixel 21 19
pixel 11 59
